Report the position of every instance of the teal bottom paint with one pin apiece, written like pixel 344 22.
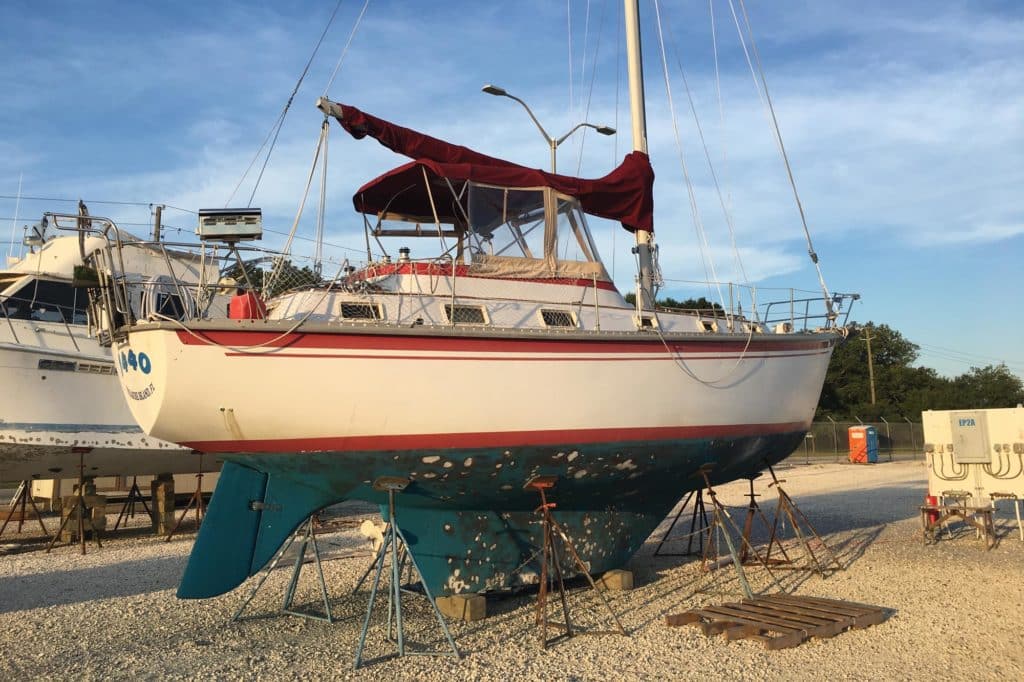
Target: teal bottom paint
pixel 469 522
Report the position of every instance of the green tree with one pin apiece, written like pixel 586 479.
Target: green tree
pixel 847 389
pixel 991 386
pixel 901 389
pixel 702 304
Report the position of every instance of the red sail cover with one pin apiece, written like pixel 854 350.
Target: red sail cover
pixel 626 194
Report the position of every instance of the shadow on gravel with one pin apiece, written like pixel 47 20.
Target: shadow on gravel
pixel 73 586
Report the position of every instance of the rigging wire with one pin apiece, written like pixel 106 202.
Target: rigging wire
pixel 351 37
pixel 165 225
pixel 568 19
pixel 705 251
pixel 619 40
pixel 778 138
pixel 730 223
pixel 725 155
pixel 590 91
pixel 275 130
pixel 286 250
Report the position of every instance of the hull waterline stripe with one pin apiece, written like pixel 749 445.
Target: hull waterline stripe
pixel 488 439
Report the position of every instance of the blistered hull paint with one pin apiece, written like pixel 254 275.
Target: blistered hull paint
pixel 469 522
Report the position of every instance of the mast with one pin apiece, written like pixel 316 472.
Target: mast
pixel 644 239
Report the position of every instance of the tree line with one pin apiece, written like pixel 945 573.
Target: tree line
pixel 903 391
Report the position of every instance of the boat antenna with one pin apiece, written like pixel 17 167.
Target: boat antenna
pixel 644 239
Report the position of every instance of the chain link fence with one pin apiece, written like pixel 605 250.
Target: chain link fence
pixel 830 440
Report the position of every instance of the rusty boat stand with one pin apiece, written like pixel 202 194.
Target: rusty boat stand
pixel 779 620
pixel 79 509
pixel 698 526
pixel 551 575
pixel 390 547
pixel 806 534
pixel 128 508
pixel 723 527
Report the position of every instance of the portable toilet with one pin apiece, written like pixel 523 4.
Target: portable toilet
pixel 863 444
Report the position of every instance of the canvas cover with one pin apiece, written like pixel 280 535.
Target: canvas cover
pixel 626 194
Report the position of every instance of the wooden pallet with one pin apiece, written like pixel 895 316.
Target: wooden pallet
pixel 781 620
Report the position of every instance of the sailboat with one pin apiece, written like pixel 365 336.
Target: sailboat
pixel 508 356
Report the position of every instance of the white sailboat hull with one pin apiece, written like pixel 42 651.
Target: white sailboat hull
pixel 330 390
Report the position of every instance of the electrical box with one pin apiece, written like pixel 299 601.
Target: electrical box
pixel 230 224
pixel 975 451
pixel 969 429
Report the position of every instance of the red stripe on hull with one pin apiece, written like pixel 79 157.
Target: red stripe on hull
pixel 488 439
pixel 239 338
pixel 492 358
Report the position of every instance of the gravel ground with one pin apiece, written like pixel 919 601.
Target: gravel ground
pixel 112 614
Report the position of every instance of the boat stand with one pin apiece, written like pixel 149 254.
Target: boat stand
pixel 392 485
pixel 80 510
pixel 128 509
pixel 754 511
pixel 195 502
pixel 699 515
pixel 722 526
pixel 802 528
pixel 308 537
pixel 551 569
pixel 22 497
pixel 377 557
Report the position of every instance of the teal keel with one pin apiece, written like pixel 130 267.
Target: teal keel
pixel 250 517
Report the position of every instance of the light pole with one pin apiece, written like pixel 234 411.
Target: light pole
pixel 552 141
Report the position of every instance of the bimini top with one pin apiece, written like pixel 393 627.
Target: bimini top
pixel 626 194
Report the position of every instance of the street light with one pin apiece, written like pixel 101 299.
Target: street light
pixel 552 142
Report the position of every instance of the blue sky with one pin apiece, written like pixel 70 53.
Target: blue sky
pixel 904 123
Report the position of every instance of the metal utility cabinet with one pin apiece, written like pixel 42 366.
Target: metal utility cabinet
pixel 980 452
